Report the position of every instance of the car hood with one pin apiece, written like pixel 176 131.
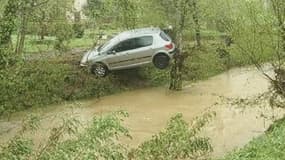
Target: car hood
pixel 89 56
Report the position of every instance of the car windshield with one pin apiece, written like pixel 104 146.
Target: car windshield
pixel 107 45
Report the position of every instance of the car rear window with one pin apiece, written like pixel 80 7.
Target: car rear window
pixel 164 36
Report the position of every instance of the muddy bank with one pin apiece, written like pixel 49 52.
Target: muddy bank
pixel 150 109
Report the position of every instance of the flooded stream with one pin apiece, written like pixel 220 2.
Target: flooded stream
pixel 151 108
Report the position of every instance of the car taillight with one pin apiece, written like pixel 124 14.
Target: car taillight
pixel 169 46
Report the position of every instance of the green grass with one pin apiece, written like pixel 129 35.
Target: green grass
pixel 205 35
pixel 270 146
pixel 33 44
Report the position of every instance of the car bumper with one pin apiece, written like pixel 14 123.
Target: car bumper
pixel 173 52
pixel 83 65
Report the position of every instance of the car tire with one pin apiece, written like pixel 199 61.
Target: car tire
pixel 99 70
pixel 161 61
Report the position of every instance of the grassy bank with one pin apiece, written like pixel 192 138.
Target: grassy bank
pixel 270 146
pixel 40 83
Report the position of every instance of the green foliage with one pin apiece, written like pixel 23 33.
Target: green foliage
pixel 2 7
pixel 204 63
pixel 30 124
pixel 153 76
pixel 8 22
pixel 97 141
pixel 178 141
pixel 63 33
pixel 78 29
pixel 7 26
pixel 43 83
pixel 266 147
pixel 121 13
pixel 253 34
pixel 18 148
pixel 5 56
pixel 128 13
pixel 100 139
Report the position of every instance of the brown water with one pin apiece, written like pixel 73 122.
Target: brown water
pixel 150 109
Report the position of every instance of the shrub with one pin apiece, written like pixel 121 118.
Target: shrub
pixel 101 140
pixel 63 32
pixel 178 141
pixel 78 30
pixel 97 141
pixel 36 84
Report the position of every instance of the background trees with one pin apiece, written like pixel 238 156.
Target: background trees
pixel 113 13
pixel 7 26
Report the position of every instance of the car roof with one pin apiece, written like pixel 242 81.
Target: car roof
pixel 137 33
pixel 132 34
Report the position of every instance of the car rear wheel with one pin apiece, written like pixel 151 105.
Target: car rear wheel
pixel 99 70
pixel 161 61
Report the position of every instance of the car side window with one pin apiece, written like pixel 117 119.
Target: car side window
pixel 125 45
pixel 144 41
pixel 134 44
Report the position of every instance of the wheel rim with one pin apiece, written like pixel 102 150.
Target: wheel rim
pixel 100 70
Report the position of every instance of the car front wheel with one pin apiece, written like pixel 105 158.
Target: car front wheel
pixel 161 61
pixel 99 70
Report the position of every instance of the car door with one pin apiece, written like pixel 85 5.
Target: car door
pixel 118 56
pixel 143 51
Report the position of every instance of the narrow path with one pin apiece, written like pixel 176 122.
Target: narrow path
pixel 150 109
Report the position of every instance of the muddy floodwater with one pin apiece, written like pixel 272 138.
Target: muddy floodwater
pixel 151 108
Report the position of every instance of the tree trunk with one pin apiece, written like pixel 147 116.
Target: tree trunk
pixel 177 67
pixel 22 34
pixel 43 27
pixel 283 37
pixel 42 36
pixel 197 25
pixel 176 72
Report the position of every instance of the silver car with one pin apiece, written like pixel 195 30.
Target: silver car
pixel 131 49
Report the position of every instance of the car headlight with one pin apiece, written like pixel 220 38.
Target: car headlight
pixel 84 59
